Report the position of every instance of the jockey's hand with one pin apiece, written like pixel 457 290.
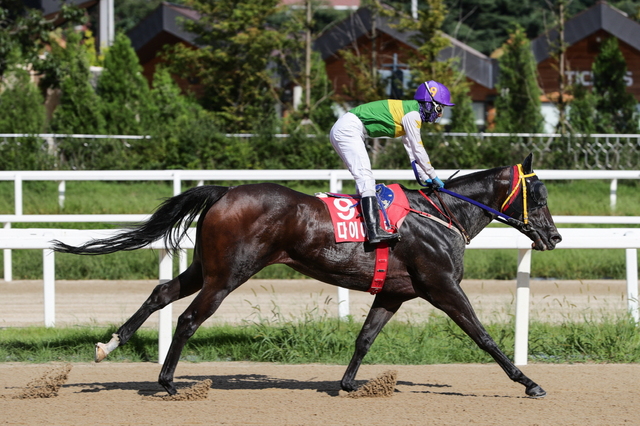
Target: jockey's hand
pixel 435 182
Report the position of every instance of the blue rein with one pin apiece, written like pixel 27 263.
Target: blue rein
pixel 475 203
pixel 501 217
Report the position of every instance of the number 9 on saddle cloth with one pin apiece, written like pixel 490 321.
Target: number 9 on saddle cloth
pixel 346 217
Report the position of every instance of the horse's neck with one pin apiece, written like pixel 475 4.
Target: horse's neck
pixel 473 220
pixel 487 190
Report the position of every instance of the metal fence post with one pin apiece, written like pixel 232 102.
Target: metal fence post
pixel 8 269
pixel 49 282
pixel 62 188
pixel 165 323
pixel 17 190
pixel 632 283
pixel 522 308
pixel 613 194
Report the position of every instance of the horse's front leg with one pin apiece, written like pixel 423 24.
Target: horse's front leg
pixel 184 285
pixel 454 302
pixel 380 313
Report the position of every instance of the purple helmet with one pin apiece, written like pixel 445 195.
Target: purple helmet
pixel 433 91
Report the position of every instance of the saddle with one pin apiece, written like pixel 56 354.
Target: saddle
pixel 348 224
pixel 346 214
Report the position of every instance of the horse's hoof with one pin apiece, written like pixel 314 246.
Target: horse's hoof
pixel 168 386
pixel 536 391
pixel 347 387
pixel 101 352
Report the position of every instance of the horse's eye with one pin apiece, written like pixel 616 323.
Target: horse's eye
pixel 538 193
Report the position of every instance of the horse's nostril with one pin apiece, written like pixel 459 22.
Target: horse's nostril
pixel 556 238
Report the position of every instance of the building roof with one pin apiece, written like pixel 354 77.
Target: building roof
pixel 475 65
pixel 601 16
pixel 50 7
pixel 162 26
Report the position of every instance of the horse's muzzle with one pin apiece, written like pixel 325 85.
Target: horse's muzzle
pixel 543 244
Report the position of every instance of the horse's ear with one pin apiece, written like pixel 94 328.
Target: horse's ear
pixel 527 164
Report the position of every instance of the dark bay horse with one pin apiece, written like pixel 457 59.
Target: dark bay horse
pixel 243 229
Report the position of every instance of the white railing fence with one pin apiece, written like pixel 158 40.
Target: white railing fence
pixel 334 178
pixel 489 238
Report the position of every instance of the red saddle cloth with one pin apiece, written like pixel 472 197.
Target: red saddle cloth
pixel 346 214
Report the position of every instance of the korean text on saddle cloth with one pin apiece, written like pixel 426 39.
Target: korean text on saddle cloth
pixel 347 217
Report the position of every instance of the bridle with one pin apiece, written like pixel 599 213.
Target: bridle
pixel 519 190
pixel 521 187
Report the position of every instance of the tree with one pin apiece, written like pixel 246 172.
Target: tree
pixel 364 84
pixel 25 30
pixel 463 151
pixel 582 113
pixel 557 51
pixel 322 113
pixel 123 90
pixel 22 107
pixel 360 59
pixel 128 13
pixel 615 106
pixel 79 108
pixel 485 25
pixel 176 112
pixel 518 101
pixel 425 65
pixel 462 116
pixel 170 104
pixel 299 66
pixel 423 62
pixel 21 103
pixel 232 64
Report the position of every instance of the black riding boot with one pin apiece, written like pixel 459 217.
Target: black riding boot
pixel 371 216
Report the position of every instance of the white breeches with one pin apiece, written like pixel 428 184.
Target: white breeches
pixel 348 138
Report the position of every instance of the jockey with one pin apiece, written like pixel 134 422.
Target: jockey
pixel 388 119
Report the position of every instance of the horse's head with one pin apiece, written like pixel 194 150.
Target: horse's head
pixel 527 203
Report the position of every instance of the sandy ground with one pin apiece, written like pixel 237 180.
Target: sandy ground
pixel 270 394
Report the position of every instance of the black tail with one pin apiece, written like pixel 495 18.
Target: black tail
pixel 170 221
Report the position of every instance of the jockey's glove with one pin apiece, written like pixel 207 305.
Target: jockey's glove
pixel 435 182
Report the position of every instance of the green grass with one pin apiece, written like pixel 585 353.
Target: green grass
pixel 591 198
pixel 331 341
pixel 566 198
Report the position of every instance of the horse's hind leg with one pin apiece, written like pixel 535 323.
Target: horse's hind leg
pixel 201 308
pixel 454 302
pixel 380 313
pixel 184 285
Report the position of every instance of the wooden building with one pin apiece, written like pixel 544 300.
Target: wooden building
pixel 163 27
pixel 392 47
pixel 583 35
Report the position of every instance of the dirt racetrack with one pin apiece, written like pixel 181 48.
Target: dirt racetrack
pixel 269 394
pixel 243 393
